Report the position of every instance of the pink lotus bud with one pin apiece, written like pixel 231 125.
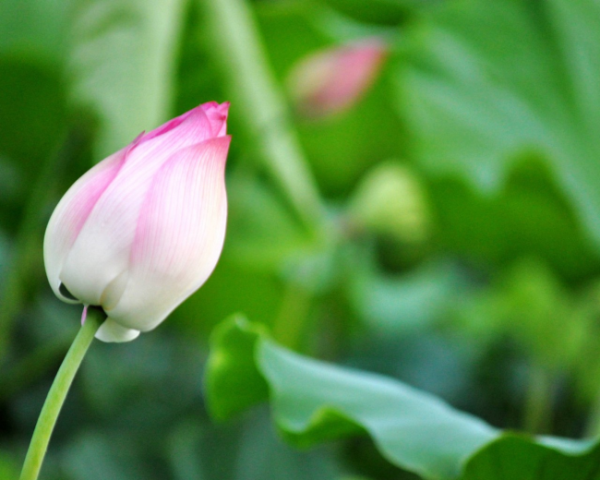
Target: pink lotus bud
pixel 144 228
pixel 334 79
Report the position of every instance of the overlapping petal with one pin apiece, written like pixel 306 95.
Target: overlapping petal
pixel 179 235
pixel 73 210
pixel 217 115
pixel 111 331
pixel 101 251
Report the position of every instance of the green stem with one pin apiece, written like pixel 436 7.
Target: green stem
pixel 238 48
pixel 57 395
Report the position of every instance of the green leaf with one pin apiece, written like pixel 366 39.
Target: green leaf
pixel 313 402
pixel 529 216
pixel 488 85
pixel 123 55
pixel 517 457
pixel 233 383
pixel 316 402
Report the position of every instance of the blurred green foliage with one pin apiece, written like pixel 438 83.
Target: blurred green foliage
pixel 459 249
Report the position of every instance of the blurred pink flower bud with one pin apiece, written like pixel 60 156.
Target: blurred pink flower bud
pixel 144 228
pixel 332 80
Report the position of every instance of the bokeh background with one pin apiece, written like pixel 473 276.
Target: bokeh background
pixel 442 228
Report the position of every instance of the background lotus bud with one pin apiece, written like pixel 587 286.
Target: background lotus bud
pixel 390 201
pixel 334 79
pixel 144 228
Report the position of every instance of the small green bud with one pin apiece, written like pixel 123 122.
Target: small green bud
pixel 390 202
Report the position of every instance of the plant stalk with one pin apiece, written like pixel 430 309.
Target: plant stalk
pixel 58 394
pixel 263 110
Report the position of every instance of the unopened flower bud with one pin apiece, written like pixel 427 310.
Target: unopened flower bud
pixel 391 202
pixel 144 228
pixel 333 80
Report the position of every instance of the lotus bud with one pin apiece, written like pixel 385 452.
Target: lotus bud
pixel 334 79
pixel 390 201
pixel 144 228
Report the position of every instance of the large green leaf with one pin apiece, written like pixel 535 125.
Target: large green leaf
pixel 488 85
pixel 514 457
pixel 529 216
pixel 313 402
pixel 122 60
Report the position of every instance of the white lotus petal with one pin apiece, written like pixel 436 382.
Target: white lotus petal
pixel 100 252
pixel 179 236
pixel 71 213
pixel 111 331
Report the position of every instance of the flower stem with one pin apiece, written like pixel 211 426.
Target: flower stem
pixel 58 394
pixel 239 50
